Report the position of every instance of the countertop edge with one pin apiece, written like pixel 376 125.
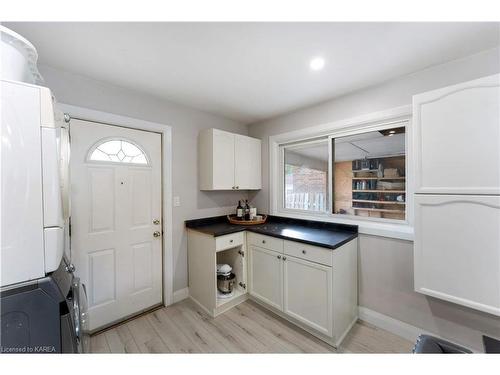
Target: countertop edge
pixel 249 229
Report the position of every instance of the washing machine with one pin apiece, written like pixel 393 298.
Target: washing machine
pixel 47 315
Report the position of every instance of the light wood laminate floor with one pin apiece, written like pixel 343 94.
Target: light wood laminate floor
pixel 246 328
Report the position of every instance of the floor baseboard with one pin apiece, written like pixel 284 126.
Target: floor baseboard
pixel 180 294
pixel 402 329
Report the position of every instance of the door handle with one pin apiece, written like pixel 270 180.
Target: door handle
pixel 156 234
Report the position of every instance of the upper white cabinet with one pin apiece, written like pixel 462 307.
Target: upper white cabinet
pixel 247 160
pixel 457 138
pixel 457 242
pixel 228 161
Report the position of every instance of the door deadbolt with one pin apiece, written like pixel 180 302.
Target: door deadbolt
pixel 157 234
pixel 156 221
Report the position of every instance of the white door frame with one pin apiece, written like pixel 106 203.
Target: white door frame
pixel 166 132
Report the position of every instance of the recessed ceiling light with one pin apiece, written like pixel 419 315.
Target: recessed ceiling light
pixel 317 63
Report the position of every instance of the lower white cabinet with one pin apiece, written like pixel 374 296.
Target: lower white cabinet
pixel 266 276
pixel 204 253
pixel 315 288
pixel 307 290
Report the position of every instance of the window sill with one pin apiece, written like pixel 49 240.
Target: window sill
pixel 401 231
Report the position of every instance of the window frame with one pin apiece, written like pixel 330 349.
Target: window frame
pixel 282 171
pixel 108 139
pixel 400 116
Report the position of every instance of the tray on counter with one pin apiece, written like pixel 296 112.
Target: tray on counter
pixel 233 219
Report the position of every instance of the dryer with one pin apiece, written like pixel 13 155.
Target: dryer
pixel 34 173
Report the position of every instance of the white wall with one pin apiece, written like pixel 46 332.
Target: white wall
pixel 386 286
pixel 386 265
pixel 186 123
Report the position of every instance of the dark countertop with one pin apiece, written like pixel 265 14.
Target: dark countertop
pixel 317 233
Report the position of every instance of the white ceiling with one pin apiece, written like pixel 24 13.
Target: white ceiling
pixel 251 71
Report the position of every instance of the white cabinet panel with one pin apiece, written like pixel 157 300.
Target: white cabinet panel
pixel 247 162
pixel 266 276
pixel 308 293
pixel 308 252
pixel 228 161
pixel 457 249
pixel 229 240
pixel 223 160
pixel 266 242
pixel 457 138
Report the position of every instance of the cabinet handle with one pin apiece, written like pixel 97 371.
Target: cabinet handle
pixel 303 251
pixel 230 241
pixel 263 241
pixel 237 187
pixel 284 258
pixel 279 256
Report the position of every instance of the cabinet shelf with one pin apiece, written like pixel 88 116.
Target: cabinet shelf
pixel 236 293
pixel 378 202
pixel 380 191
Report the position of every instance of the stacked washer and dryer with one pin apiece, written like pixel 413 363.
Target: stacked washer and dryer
pixel 43 305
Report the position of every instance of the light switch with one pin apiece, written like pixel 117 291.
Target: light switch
pixel 177 201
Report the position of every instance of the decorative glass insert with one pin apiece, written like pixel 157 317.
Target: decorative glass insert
pixel 118 151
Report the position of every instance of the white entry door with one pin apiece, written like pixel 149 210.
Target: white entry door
pixel 116 218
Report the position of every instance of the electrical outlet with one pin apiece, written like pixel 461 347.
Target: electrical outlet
pixel 177 201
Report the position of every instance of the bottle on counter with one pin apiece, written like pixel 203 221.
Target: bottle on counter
pixel 239 211
pixel 253 212
pixel 247 210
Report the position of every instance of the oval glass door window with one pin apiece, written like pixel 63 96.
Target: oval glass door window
pixel 118 151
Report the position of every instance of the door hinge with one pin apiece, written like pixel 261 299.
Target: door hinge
pixel 242 253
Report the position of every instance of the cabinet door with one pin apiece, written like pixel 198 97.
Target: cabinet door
pixel 457 249
pixel 223 160
pixel 266 276
pixel 308 293
pixel 456 138
pixel 247 154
